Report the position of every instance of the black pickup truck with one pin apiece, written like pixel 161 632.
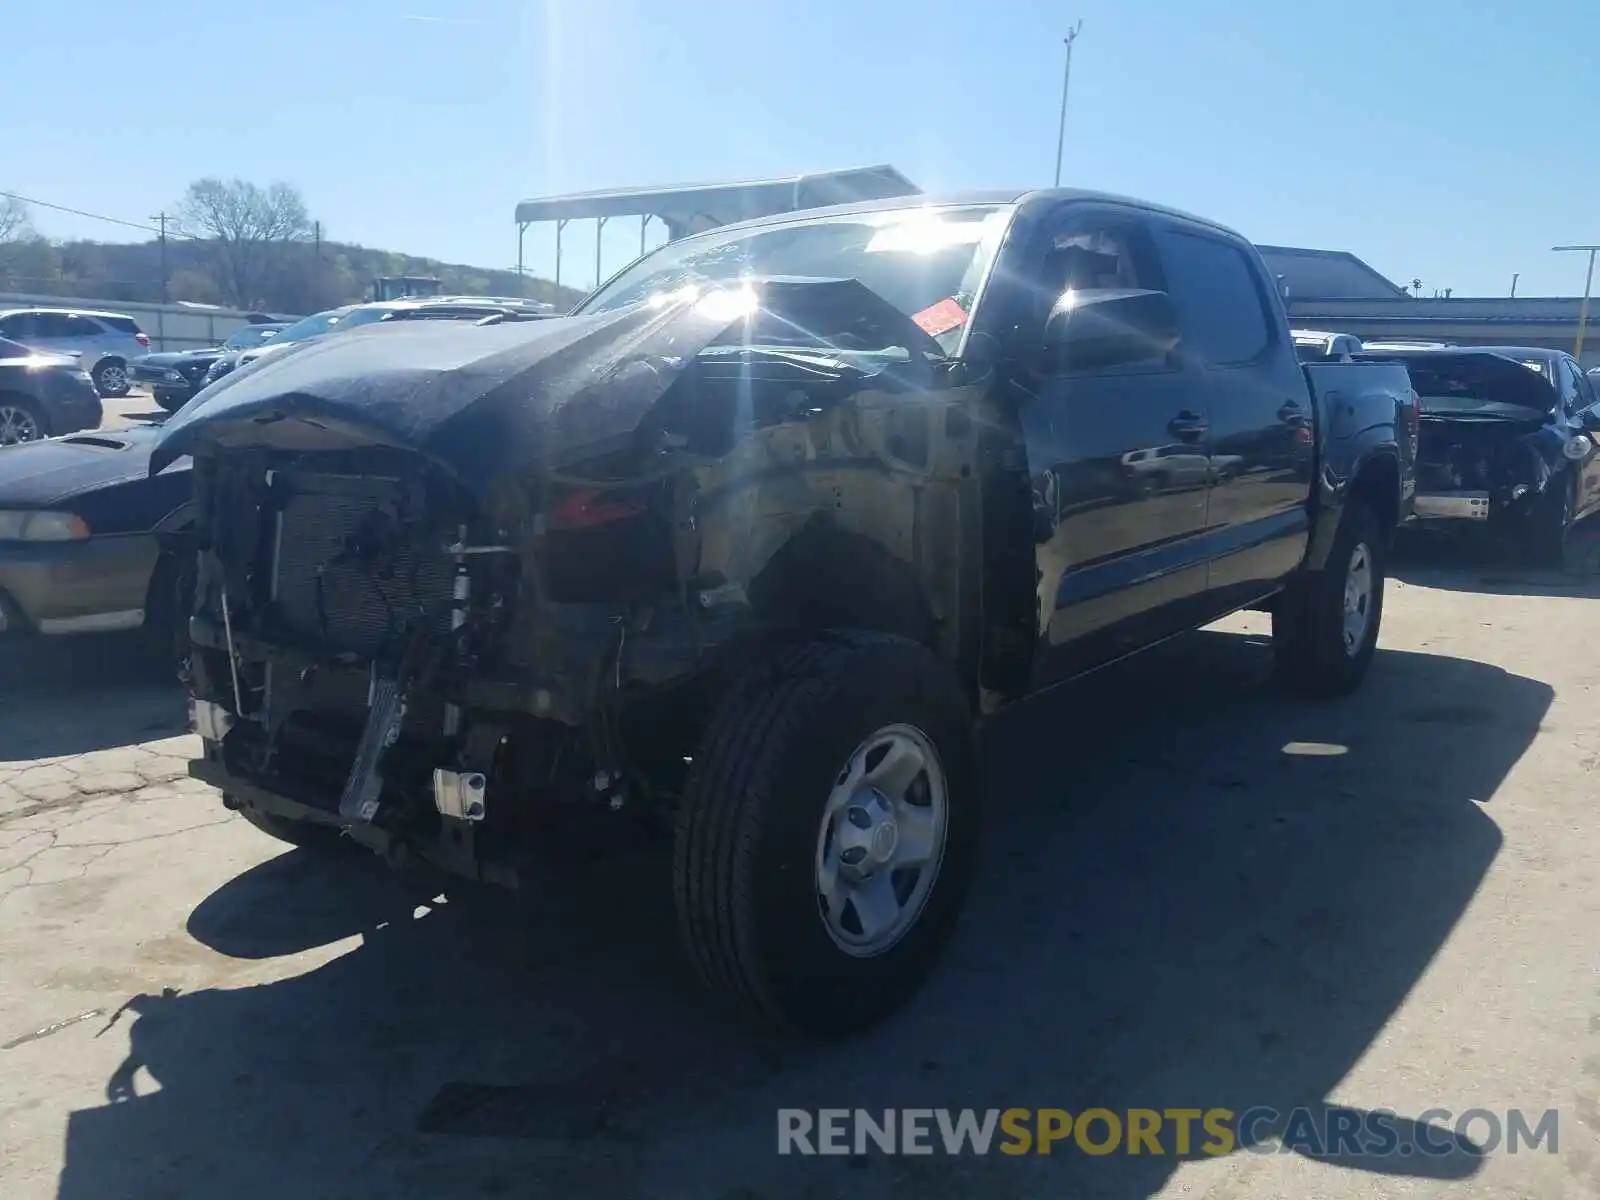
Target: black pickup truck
pixel 738 550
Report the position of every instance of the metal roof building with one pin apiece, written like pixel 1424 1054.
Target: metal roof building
pixel 1335 291
pixel 692 208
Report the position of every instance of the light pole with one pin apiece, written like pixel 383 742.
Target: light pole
pixel 1066 80
pixel 1588 282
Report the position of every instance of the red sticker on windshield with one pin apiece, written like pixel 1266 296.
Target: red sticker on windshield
pixel 940 318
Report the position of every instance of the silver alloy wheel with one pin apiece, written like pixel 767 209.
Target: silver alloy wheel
pixel 113 378
pixel 1357 599
pixel 882 841
pixel 18 425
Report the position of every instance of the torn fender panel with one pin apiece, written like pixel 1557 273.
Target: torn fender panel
pixel 861 515
pixel 487 400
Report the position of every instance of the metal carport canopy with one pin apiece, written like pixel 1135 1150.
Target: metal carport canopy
pixel 692 208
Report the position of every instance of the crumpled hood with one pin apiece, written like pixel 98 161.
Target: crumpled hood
pixel 486 400
pixel 45 473
pixel 1487 376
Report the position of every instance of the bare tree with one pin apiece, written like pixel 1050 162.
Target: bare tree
pixel 249 228
pixel 14 223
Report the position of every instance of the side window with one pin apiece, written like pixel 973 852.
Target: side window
pixel 1567 385
pixel 1085 254
pixel 82 327
pixel 54 325
pixel 1586 394
pixel 18 326
pixel 1218 294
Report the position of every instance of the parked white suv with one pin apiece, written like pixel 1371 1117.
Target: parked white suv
pixel 103 342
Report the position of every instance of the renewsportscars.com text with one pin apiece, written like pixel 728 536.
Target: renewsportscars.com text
pixel 1179 1132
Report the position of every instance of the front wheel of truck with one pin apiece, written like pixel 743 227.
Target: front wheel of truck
pixel 1325 625
pixel 827 833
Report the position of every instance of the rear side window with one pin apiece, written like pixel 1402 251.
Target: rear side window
pixel 1218 296
pixel 62 325
pixel 18 325
pixel 125 325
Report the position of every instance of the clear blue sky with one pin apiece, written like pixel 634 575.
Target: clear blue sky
pixel 1439 139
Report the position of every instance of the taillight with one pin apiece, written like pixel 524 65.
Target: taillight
pixel 585 509
pixel 142 338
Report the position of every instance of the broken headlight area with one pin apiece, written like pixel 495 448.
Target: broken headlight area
pixel 349 632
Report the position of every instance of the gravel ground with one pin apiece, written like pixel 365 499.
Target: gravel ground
pixel 1194 892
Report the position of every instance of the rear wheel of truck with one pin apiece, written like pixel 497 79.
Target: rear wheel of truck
pixel 1325 626
pixel 827 833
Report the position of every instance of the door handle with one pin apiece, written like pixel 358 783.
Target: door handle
pixel 1188 426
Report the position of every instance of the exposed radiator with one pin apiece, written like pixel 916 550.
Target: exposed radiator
pixel 365 599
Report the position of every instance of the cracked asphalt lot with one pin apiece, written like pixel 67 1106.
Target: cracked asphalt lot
pixel 1193 892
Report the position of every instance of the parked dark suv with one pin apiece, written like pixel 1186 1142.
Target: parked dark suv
pixel 43 395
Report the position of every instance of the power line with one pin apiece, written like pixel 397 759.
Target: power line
pixel 78 212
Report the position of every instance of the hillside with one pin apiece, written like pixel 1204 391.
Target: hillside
pixel 300 277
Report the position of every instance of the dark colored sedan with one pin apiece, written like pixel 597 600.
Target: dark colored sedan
pixel 173 377
pixel 43 394
pixel 85 532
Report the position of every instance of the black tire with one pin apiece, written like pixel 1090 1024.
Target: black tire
pixel 171 401
pixel 1549 526
pixel 15 414
pixel 750 828
pixel 1310 652
pixel 305 834
pixel 166 610
pixel 111 378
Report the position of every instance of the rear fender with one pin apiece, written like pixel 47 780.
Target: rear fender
pixel 1374 473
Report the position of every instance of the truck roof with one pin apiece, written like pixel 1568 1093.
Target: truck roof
pixel 1012 196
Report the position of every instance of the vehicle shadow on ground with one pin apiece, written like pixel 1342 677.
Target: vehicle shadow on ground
pixel 1194 894
pixel 1470 561
pixel 61 696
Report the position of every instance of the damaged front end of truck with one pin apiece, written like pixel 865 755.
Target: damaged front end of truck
pixel 1496 446
pixel 465 590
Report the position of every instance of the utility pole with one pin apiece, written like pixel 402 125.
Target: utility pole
pixel 1515 275
pixel 316 234
pixel 161 219
pixel 1066 80
pixel 1588 282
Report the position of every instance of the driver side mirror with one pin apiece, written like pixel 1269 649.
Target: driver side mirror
pixel 1094 328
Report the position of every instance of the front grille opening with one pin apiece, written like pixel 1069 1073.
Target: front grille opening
pixel 352 571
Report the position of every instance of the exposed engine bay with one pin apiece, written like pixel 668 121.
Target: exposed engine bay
pixel 465 584
pixel 1453 453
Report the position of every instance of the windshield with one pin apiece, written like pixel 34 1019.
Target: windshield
pixel 250 335
pixel 926 262
pixel 312 326
pixel 365 315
